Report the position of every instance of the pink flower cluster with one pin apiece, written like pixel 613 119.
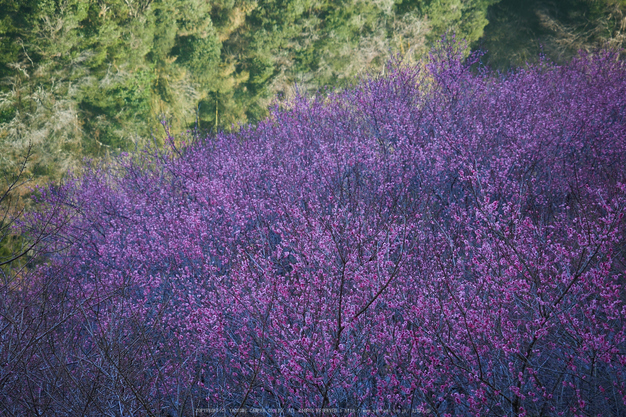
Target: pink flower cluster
pixel 434 239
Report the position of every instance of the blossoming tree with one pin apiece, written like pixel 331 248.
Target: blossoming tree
pixel 433 240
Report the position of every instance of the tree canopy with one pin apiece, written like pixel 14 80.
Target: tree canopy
pixel 84 78
pixel 91 78
pixel 519 32
pixel 430 241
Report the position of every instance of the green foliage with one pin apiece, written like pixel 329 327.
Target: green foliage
pixel 465 18
pixel 519 31
pixel 83 78
pixel 14 248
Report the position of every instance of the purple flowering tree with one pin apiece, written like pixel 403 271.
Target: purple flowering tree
pixel 430 241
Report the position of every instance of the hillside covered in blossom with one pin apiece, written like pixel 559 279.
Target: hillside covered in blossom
pixel 432 241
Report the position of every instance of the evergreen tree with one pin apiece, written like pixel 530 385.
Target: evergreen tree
pixel 518 32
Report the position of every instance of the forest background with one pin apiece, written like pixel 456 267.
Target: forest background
pixel 91 78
